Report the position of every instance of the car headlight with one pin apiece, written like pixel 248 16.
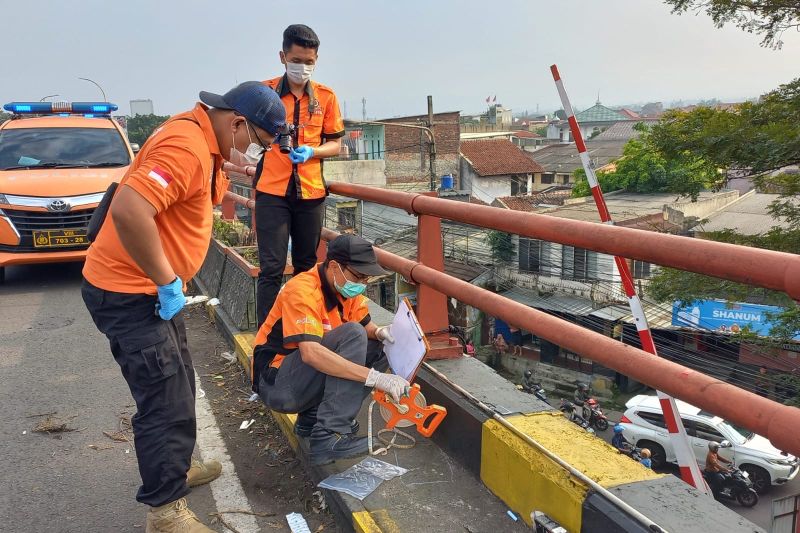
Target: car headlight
pixel 780 462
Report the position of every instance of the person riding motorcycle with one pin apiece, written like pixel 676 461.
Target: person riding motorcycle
pixel 715 470
pixel 528 384
pixel 581 394
pixel 619 441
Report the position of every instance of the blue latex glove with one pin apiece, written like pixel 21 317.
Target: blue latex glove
pixel 301 154
pixel 170 299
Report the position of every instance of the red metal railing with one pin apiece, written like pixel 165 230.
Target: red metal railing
pixel 763 268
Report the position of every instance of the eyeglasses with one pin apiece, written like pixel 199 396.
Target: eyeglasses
pixel 266 147
pixel 361 278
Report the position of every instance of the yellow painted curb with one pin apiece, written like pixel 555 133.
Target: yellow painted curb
pixel 286 423
pixel 374 522
pixel 243 344
pixel 526 479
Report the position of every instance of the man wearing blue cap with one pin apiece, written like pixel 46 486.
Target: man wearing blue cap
pixel 135 273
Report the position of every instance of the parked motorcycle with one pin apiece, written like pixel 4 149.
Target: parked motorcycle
pixel 595 415
pixel 571 412
pixel 736 485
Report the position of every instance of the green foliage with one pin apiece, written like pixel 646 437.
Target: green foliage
pixel 644 169
pixel 141 127
pixel 756 138
pixel 4 116
pixel 769 18
pixel 502 246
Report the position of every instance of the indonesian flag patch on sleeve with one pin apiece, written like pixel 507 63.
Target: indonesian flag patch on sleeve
pixel 161 176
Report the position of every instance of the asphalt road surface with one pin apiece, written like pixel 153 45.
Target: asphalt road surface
pixel 80 474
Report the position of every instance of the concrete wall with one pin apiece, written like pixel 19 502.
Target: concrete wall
pixel 370 172
pixel 703 207
pixel 486 189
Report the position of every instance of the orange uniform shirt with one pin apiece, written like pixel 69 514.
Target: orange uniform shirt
pixel 317 118
pixel 306 308
pixel 173 171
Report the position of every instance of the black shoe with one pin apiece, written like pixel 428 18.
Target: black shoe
pixel 328 446
pixel 303 430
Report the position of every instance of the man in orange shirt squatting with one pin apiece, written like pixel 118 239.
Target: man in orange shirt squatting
pixel 318 353
pixel 134 281
pixel 290 189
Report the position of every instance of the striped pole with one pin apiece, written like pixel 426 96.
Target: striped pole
pixel 690 471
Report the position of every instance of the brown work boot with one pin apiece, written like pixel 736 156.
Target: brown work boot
pixel 174 517
pixel 202 472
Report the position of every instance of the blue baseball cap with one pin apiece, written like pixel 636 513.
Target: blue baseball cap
pixel 259 104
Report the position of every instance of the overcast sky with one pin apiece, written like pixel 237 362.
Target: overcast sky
pixel 391 53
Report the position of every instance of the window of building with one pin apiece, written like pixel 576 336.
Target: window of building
pixel 519 185
pixel 548 179
pixel 578 264
pixel 641 269
pixel 530 254
pixel 347 217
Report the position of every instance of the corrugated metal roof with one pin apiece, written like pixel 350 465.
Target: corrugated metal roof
pixel 623 131
pixel 564 159
pixel 561 303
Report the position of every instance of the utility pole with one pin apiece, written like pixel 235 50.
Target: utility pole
pixel 432 145
pixel 363 109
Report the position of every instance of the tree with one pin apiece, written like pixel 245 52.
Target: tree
pixel 502 246
pixel 140 127
pixel 757 140
pixel 4 117
pixel 643 168
pixel 769 18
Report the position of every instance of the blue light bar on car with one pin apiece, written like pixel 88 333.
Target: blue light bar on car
pixel 59 108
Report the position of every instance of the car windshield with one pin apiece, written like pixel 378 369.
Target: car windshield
pixel 738 435
pixel 62 148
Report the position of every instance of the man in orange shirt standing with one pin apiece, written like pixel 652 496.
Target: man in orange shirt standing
pixel 290 189
pixel 158 235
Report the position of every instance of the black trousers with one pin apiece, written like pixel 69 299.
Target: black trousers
pixel 154 357
pixel 278 218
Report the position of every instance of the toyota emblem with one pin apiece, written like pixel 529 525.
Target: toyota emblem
pixel 58 206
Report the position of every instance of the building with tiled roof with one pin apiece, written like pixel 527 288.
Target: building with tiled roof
pixel 560 161
pixel 552 197
pixel 592 121
pixel 624 131
pixel 495 167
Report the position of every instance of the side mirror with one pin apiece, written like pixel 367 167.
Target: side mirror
pixel 135 148
pixel 725 444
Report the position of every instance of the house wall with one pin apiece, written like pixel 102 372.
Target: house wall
pixel 407 149
pixel 362 172
pixel 559 179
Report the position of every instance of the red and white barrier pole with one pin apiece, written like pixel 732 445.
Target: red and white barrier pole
pixel 690 471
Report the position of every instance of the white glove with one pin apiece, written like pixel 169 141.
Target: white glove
pixel 384 333
pixel 393 385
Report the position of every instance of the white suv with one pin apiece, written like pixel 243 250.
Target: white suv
pixel 645 427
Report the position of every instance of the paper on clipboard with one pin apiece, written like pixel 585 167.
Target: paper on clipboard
pixel 410 345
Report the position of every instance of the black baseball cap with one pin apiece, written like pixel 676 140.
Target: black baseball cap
pixel 256 102
pixel 354 252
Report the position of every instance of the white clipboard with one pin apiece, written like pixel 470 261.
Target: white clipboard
pixel 405 355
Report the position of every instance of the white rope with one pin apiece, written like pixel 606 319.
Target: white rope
pixel 387 443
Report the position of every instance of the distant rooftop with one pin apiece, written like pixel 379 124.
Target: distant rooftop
pixel 600 113
pixel 623 131
pixel 747 216
pixel 554 196
pixel 563 158
pixel 624 206
pixel 498 157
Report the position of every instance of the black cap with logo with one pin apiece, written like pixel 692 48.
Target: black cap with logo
pixel 354 252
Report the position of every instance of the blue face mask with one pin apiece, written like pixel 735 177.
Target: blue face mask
pixel 350 288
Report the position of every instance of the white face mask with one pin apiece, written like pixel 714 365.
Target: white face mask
pixel 251 156
pixel 298 72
